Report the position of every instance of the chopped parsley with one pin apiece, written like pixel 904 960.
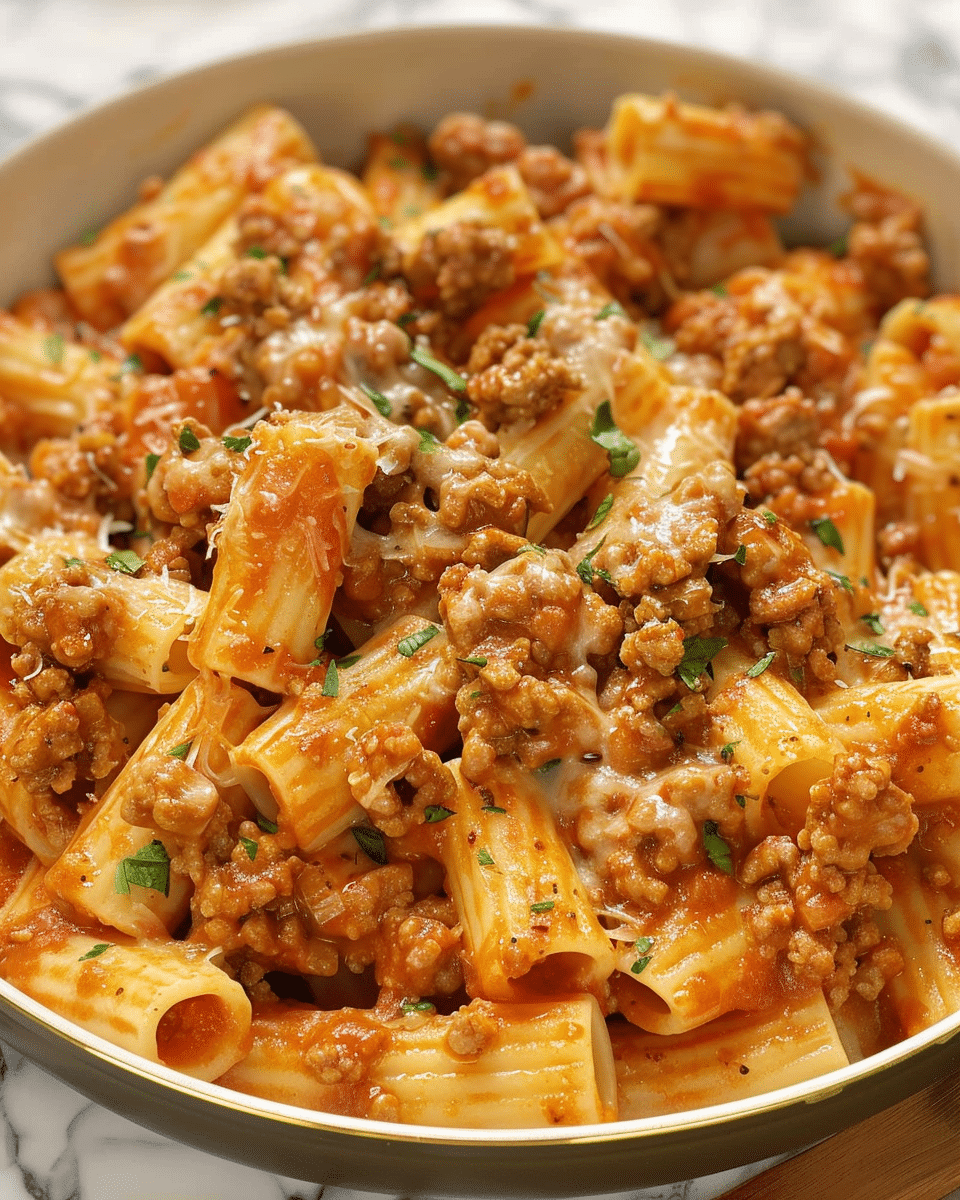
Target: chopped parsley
pixel 698 653
pixel 613 309
pixel 549 765
pixel 532 547
pixel 212 306
pixel 453 379
pixel 371 842
pixel 371 275
pixel 238 444
pixel 182 276
pixel 477 661
pixel 717 849
pixel 127 562
pixel 740 558
pixel 344 664
pixel 494 808
pixel 828 533
pixel 843 580
pixel 726 751
pixel 250 846
pixel 768 516
pixel 543 906
pixel 873 623
pixel 53 348
pixel 872 648
pixel 720 289
pixel 188 440
pixel 417 1006
pixel 73 562
pixel 741 800
pixel 409 645
pixel 95 951
pixel 586 570
pixel 533 325
pixel 462 411
pixel 436 812
pixel 407 319
pixel 428 442
pixel 918 608
pixel 256 252
pixel 603 508
pixel 642 945
pixel 622 453
pixel 180 751
pixel 331 681
pixel 760 665
pixel 148 868
pixel 266 824
pixel 151 461
pixel 660 348
pixel 484 858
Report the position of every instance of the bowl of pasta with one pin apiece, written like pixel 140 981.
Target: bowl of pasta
pixel 478 617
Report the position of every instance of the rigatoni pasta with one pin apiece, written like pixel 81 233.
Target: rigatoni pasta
pixel 480 636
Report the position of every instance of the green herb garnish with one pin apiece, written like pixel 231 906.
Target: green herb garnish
pixel 613 309
pixel 436 812
pixel 417 1006
pixel 453 379
pixel 698 653
pixel 188 440
pixel 212 306
pixel 603 508
pixel 586 570
pixel 543 906
pixel 717 849
pixel 409 645
pixel 127 562
pixel 760 665
pixel 622 453
pixel 533 325
pixel 95 951
pixel 484 858
pixel 238 444
pixel 872 649
pixel 250 846
pixel 828 533
pixel 148 868
pixel 180 751
pixel 331 681
pixel 371 842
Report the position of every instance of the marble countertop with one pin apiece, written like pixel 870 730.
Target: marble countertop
pixel 59 56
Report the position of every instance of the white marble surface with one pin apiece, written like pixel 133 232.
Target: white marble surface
pixel 58 56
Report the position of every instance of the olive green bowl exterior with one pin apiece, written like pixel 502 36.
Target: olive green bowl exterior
pixel 550 82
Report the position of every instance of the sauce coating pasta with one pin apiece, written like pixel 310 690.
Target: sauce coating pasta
pixel 479 643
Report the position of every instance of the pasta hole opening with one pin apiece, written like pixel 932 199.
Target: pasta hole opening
pixel 559 973
pixel 789 790
pixel 190 1031
pixel 177 661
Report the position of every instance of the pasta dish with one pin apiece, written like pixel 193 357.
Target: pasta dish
pixel 481 636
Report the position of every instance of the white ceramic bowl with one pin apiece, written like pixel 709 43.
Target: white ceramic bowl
pixel 342 88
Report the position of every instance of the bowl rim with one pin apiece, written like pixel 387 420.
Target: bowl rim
pixel 810 1092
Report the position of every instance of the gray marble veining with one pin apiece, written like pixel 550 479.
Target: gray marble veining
pixel 59 56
